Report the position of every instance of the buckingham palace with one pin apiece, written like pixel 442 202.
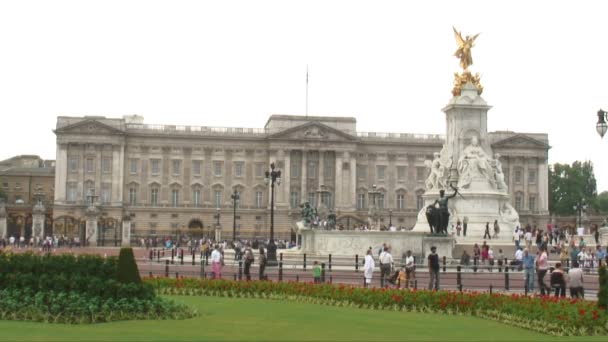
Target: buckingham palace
pixel 170 179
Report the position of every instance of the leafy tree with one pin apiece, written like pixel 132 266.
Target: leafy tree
pixel 569 184
pixel 601 202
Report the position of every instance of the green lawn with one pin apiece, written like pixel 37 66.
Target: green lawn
pixel 253 319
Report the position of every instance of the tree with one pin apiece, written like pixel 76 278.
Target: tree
pixel 569 184
pixel 601 203
pixel 127 267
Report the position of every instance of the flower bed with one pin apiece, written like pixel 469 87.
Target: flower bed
pixel 544 314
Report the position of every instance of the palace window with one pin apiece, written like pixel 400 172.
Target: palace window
pixel 238 169
pixel 218 198
pixel 132 196
pixel 106 192
pixel 401 171
pixel 400 201
pixel 175 197
pixel 177 167
pixel 72 191
pixel 90 165
pixel 259 196
pixel 295 199
pixel 419 200
pixel 133 166
pixel 312 199
pixel 217 169
pixel 532 176
pixel 155 166
pixel 517 176
pixel 106 165
pixel 360 201
pixel 196 167
pixel 196 198
pixel 380 172
pixel 361 172
pixel 312 170
pixel 295 170
pixel 532 203
pixel 380 200
pixel 73 163
pixel 519 201
pixel 420 173
pixel 154 197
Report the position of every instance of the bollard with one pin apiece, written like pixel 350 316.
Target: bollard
pixel 280 256
pixel 235 277
pixel 460 287
pixel 416 284
pixel 475 264
pixel 507 278
pixel 150 274
pixel 176 275
pixel 444 264
pixel 202 268
pixel 330 263
pixel 151 255
pixel 322 272
pixel 181 256
pixel 297 278
pixel 458 277
pixel 490 288
pixel 356 262
pixel 158 256
pixel 166 268
pixel 330 279
pixel 240 269
pixel 304 262
pixel 281 269
pixel 172 255
pixel 193 257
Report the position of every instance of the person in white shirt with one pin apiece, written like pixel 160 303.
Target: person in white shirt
pixel 216 263
pixel 519 258
pixel 410 268
pixel 575 281
pixel 386 263
pixel 368 268
pixel 528 238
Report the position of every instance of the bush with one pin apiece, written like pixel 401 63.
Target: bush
pixel 602 295
pixel 127 268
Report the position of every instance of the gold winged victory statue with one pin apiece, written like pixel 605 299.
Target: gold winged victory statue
pixel 466 59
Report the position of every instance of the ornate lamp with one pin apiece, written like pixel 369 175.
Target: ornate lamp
pixel 601 125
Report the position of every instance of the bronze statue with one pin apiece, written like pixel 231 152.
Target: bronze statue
pixel 464 49
pixel 442 216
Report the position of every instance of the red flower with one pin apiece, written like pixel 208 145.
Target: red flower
pixel 582 312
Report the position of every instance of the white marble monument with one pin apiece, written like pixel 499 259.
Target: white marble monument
pixel 467 162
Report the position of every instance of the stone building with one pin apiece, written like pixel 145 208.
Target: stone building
pixel 171 179
pixel 27 180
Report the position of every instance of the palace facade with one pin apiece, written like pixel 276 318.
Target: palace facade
pixel 171 179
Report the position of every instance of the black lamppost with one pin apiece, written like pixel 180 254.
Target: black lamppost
pixel 601 126
pixel 273 176
pixel 580 207
pixel 235 199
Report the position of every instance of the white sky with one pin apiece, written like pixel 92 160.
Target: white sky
pixel 544 65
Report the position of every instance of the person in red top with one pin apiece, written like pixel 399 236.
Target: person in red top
pixel 542 266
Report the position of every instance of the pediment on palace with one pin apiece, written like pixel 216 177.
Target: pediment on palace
pixel 88 126
pixel 520 141
pixel 313 131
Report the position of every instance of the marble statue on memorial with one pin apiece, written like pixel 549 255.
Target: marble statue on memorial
pixel 498 174
pixel 509 214
pixel 474 164
pixel 436 179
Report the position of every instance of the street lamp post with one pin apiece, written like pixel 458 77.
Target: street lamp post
pixel 273 176
pixel 601 126
pixel 235 199
pixel 580 207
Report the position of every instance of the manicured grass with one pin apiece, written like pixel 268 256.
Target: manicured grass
pixel 255 319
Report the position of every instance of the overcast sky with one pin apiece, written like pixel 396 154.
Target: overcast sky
pixel 544 65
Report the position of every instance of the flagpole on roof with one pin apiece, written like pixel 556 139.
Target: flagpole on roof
pixel 306 90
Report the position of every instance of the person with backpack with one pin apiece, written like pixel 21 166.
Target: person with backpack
pixel 249 259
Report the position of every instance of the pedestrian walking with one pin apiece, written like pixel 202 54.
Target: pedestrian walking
pixel 368 268
pixel 433 262
pixel 465 223
pixel 216 263
pixel 542 266
pixel 487 232
pixel 528 262
pixel 386 263
pixel 249 259
pixel 262 263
